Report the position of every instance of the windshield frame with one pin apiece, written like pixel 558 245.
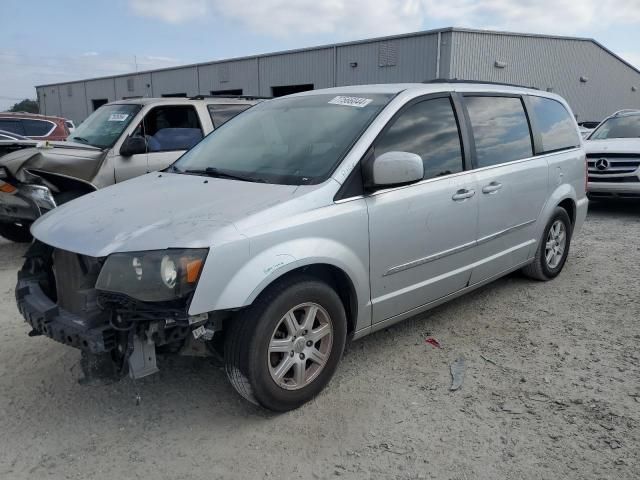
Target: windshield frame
pixel 296 180
pixel 137 108
pixel 605 121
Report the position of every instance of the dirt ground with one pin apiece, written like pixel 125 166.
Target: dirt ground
pixel 551 391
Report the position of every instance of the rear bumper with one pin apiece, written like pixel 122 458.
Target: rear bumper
pixel 46 318
pixel 26 204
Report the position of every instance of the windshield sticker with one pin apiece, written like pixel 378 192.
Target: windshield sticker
pixel 118 117
pixel 351 101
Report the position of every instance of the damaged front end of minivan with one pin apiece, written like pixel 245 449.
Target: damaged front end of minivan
pixel 118 309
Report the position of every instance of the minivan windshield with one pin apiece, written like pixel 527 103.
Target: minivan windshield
pixel 627 126
pixel 292 140
pixel 104 126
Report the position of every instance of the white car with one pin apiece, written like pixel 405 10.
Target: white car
pixel 613 154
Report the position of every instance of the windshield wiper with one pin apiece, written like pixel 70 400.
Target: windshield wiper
pixel 214 172
pixel 82 139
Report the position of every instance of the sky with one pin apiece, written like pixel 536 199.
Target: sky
pixel 48 42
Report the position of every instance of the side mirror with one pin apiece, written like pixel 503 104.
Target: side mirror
pixel 395 168
pixel 133 146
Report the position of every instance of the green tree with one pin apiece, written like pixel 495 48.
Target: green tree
pixel 26 105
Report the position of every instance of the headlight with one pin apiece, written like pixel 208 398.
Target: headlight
pixel 3 173
pixel 154 276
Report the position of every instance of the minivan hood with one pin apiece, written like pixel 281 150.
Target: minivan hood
pixel 64 158
pixel 613 145
pixel 157 211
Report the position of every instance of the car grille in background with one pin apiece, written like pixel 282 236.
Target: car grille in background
pixel 76 277
pixel 620 168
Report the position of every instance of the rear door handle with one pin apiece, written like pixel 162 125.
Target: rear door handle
pixel 493 187
pixel 463 194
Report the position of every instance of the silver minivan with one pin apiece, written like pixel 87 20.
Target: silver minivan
pixel 306 221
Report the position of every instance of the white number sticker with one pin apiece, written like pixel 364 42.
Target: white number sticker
pixel 118 117
pixel 358 102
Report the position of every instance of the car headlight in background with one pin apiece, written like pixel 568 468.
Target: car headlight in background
pixel 3 173
pixel 153 276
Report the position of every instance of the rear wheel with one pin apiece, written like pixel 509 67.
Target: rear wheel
pixel 553 248
pixel 284 349
pixel 15 232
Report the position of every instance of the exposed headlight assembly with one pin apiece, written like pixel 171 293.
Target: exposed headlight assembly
pixel 154 276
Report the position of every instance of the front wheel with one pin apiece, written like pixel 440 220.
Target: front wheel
pixel 553 248
pixel 15 233
pixel 284 349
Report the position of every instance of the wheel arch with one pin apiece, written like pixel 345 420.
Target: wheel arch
pixel 335 277
pixel 570 206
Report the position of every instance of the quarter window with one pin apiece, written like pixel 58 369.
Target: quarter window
pixel 500 129
pixel 557 128
pixel 37 128
pixel 221 114
pixel 428 129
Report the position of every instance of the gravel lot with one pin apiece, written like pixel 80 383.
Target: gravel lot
pixel 551 390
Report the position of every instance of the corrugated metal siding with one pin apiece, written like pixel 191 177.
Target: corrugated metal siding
pixel 73 101
pixel 415 61
pixel 51 102
pixel 446 41
pixel 99 89
pixel 549 63
pixel 312 66
pixel 139 83
pixel 241 74
pixel 180 80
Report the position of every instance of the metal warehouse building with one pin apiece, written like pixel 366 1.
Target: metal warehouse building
pixel 593 79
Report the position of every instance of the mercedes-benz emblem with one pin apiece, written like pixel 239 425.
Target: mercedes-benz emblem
pixel 602 164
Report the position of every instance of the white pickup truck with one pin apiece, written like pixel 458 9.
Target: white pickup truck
pixel 119 141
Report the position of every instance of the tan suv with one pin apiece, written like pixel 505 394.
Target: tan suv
pixel 118 141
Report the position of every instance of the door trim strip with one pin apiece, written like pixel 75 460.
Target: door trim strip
pixel 451 251
pixel 506 231
pixel 429 258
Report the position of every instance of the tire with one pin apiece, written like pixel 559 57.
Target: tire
pixel 541 268
pixel 15 233
pixel 261 375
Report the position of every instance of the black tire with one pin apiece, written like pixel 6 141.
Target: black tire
pixel 247 342
pixel 540 269
pixel 15 233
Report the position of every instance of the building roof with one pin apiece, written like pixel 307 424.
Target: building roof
pixel 355 42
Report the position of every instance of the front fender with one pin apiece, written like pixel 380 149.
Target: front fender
pixel 259 271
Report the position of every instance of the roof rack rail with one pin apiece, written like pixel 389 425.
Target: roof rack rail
pixel 240 97
pixel 624 111
pixel 483 82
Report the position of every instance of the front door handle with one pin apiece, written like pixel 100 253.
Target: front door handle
pixel 463 194
pixel 493 187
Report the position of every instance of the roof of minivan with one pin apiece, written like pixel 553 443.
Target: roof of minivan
pixel 430 87
pixel 186 100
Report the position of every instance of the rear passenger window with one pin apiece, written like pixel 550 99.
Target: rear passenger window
pixel 428 129
pixel 557 128
pixel 500 129
pixel 172 127
pixel 37 128
pixel 221 114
